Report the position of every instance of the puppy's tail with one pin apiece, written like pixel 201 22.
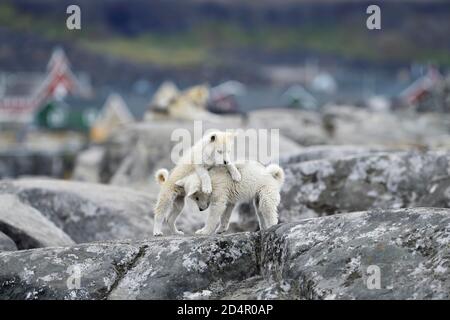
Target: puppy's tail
pixel 161 176
pixel 276 172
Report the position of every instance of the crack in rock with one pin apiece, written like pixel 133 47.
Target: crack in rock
pixel 123 270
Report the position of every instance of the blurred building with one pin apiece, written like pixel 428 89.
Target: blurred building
pixel 23 95
pixel 429 92
pixel 421 87
pixel 223 98
pixel 114 114
pixel 297 96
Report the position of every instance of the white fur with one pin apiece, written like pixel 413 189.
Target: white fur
pixel 258 183
pixel 161 176
pixel 212 150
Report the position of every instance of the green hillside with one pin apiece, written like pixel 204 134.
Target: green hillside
pixel 205 40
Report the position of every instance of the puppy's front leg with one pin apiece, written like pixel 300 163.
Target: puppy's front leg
pixel 225 219
pixel 234 172
pixel 173 215
pixel 204 178
pixel 215 212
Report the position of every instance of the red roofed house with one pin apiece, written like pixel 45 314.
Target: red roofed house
pixel 22 94
pixel 422 87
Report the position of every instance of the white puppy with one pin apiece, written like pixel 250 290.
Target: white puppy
pixel 212 150
pixel 262 184
pixel 182 192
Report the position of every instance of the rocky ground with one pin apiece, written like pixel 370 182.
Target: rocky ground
pixel 357 221
pixel 324 258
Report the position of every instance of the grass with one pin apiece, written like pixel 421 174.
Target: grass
pixel 20 21
pixel 144 49
pixel 199 44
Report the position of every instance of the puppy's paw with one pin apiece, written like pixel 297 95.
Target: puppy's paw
pixel 178 232
pixel 202 232
pixel 236 176
pixel 157 234
pixel 221 230
pixel 206 188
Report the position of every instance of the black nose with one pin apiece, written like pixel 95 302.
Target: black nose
pixel 225 162
pixel 202 209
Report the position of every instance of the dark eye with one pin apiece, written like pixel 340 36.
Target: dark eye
pixel 197 199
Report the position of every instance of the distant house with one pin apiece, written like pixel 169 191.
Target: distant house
pixel 114 114
pixel 72 113
pixel 23 94
pixel 297 96
pixel 324 82
pixel 223 98
pixel 421 87
pixel 227 88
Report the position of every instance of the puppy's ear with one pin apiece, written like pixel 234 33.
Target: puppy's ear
pixel 191 191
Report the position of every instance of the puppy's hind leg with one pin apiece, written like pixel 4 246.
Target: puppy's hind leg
pixel 163 205
pixel 225 219
pixel 267 207
pixel 173 215
pixel 262 222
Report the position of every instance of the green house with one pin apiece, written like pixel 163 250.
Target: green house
pixel 69 114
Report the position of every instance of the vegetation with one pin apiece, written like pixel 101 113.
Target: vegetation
pixel 210 41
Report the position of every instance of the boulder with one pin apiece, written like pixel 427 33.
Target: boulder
pixel 392 129
pixel 28 227
pixel 86 211
pixel 188 268
pixel 81 272
pixel 349 125
pixel 94 212
pixel 357 183
pixel 87 164
pixel 381 254
pixel 303 127
pixel 182 268
pixel 6 243
pixel 329 152
pixel 18 162
pixel 259 288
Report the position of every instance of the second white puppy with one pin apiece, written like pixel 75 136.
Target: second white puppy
pixel 214 149
pixel 258 183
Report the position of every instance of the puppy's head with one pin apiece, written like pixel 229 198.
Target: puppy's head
pixel 218 146
pixel 192 188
